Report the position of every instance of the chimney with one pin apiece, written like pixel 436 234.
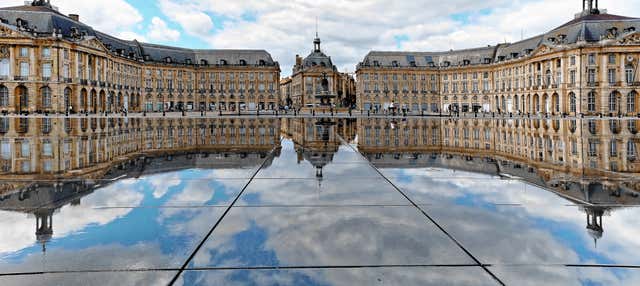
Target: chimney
pixel 75 17
pixel 298 60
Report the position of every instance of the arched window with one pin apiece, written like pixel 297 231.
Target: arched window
pixel 631 101
pixel 556 102
pixel 572 102
pixel 591 101
pixel 45 95
pixel 613 101
pixel 4 96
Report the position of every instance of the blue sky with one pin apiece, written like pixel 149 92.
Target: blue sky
pixel 349 28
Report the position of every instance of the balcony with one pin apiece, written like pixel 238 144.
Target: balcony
pixel 593 84
pixel 20 78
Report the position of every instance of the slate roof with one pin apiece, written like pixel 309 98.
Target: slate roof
pixel 44 21
pixel 585 28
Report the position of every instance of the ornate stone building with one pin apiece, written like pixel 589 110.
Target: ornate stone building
pixel 587 66
pixel 50 62
pixel 317 83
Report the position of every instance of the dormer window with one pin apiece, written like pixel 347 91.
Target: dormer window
pixel 262 63
pixel 394 64
pixel 376 63
pixel 487 60
pixel 147 57
pixel 243 62
pixel 514 55
pixel 630 30
pixel 167 60
pixel 446 63
pixel 501 58
pixel 204 62
pixel 466 62
pixel 223 62
pixel 187 61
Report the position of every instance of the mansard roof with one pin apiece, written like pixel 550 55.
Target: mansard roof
pixel 44 21
pixel 589 28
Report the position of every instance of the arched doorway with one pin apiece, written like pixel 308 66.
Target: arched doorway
pixel 94 101
pixel 555 99
pixel 102 101
pixel 83 100
pixel 45 97
pixel 67 100
pixel 22 98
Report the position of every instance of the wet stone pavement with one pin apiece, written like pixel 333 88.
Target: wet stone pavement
pixel 323 206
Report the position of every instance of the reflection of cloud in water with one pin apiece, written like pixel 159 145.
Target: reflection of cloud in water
pixel 95 278
pixel 569 276
pixel 425 276
pixel 70 218
pixel 328 236
pixel 478 222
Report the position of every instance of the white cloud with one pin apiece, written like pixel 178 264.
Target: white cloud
pixel 193 21
pixel 349 28
pixel 159 31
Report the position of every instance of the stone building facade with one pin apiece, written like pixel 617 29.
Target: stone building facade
pixel 54 63
pixel 587 66
pixel 317 83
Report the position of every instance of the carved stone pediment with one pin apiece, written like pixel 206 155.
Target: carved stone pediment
pixel 6 32
pixel 631 39
pixel 93 43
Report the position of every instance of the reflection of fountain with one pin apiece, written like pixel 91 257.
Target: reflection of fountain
pixel 324 96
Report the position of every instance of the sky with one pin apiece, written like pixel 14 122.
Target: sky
pixel 349 29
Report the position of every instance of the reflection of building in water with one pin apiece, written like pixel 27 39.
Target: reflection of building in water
pixel 42 200
pixel 491 147
pixel 71 147
pixel 576 146
pixel 317 140
pixel 589 65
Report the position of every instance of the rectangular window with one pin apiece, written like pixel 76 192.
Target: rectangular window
pixel 5 149
pixel 612 59
pixel 591 76
pixel 613 149
pixel 25 149
pixel 611 75
pixel 46 70
pixel 24 69
pixel 592 59
pixel 24 52
pixel 47 149
pixel 46 52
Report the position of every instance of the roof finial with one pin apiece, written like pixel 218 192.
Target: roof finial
pixel 317 27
